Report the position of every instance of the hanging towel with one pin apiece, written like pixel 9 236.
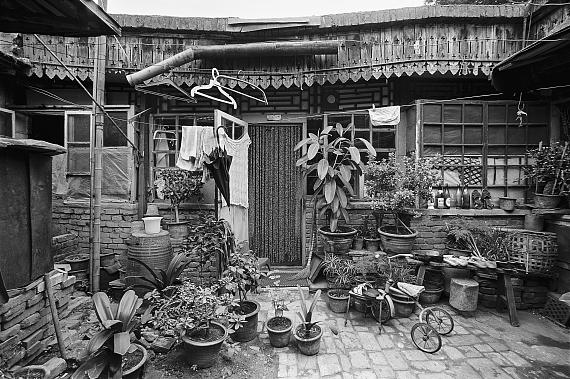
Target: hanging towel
pixel 190 155
pixel 385 116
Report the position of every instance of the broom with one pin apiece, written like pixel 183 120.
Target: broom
pixel 306 271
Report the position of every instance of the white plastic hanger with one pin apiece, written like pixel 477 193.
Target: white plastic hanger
pixel 214 83
pixel 263 99
pixel 168 82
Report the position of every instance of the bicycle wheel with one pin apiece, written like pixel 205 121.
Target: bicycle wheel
pixel 386 311
pixel 440 320
pixel 426 338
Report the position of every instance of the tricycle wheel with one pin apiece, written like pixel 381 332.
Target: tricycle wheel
pixel 440 320
pixel 426 338
pixel 386 311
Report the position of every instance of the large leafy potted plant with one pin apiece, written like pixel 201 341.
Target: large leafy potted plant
pixel 110 349
pixel 395 188
pixel 177 186
pixel 197 316
pixel 334 157
pixel 548 172
pixel 241 276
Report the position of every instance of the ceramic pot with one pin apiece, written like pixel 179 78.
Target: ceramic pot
pixel 152 224
pixel 248 330
pixel 311 345
pixel 78 262
pixel 431 296
pixel 338 242
pixel 279 331
pixel 534 222
pixel 507 203
pixel 546 201
pixel 338 300
pixel 203 354
pixel 403 307
pixel 397 243
pixel 137 372
pixel 358 243
pixel 372 244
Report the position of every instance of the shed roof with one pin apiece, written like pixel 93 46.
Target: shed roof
pixel 56 17
pixel 33 145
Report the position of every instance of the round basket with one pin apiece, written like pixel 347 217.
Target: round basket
pixel 537 251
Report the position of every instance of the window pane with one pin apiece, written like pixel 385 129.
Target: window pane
pixel 536 134
pixel 78 127
pixel 5 124
pixel 497 134
pixel 432 150
pixel 432 113
pixel 452 134
pixel 473 150
pixel 473 114
pixel 537 113
pixel 164 160
pixel 112 136
pixel 473 134
pixel 361 134
pixel 78 159
pixel 497 114
pixel 361 121
pixel 432 134
pixel 384 140
pixel 516 135
pixel 452 113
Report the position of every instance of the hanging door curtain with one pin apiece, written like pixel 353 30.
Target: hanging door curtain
pixel 219 162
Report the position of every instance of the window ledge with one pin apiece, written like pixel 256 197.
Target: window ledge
pixel 163 205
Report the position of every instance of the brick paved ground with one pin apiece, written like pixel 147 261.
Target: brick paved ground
pixel 482 346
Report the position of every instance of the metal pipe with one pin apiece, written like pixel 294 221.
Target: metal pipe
pixel 235 50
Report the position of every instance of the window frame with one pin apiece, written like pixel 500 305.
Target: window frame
pixel 13 118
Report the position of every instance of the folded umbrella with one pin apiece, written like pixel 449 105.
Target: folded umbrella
pixel 219 162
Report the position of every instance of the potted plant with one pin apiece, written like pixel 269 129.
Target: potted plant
pixel 397 188
pixel 308 334
pixel 110 353
pixel 177 186
pixel 334 158
pixel 279 327
pixel 242 276
pixel 371 238
pixel 459 240
pixel 196 315
pixel 338 300
pixel 548 173
pixel 339 272
pixel 160 279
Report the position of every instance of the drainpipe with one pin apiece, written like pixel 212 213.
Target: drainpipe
pixel 256 49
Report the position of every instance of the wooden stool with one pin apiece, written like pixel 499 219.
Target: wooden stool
pixel 463 294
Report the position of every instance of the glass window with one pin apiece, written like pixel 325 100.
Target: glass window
pixel 6 123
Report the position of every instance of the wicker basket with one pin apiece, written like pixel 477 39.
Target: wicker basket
pixel 538 251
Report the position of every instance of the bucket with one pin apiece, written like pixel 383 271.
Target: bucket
pixel 534 222
pixel 152 224
pixel 154 250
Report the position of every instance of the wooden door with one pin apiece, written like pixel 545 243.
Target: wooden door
pixel 274 218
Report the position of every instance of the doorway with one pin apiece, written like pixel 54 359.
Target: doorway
pixel 274 215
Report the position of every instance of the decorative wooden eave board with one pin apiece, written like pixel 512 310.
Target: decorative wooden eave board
pixel 256 25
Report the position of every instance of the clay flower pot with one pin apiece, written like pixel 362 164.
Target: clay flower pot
pixel 279 330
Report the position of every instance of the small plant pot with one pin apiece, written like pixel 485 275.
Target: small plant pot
pixel 338 242
pixel 279 331
pixel 178 230
pixel 248 330
pixel 358 243
pixel 431 296
pixel 203 352
pixel 507 203
pixel 137 371
pixel 78 262
pixel 152 224
pixel 397 243
pixel 372 244
pixel 403 307
pixel 338 300
pixel 546 201
pixel 308 345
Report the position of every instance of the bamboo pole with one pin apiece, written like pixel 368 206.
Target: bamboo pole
pixel 232 51
pixel 99 117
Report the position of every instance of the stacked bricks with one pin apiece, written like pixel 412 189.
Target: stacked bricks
pixel 529 292
pixel 431 225
pixel 64 245
pixel 26 327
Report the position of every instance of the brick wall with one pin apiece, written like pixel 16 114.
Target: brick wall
pixel 64 245
pixel 25 320
pixel 430 226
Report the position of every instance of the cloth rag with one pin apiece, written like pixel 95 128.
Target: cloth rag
pixel 385 115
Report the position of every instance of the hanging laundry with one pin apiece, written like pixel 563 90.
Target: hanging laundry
pixel 384 115
pixel 190 155
pixel 238 149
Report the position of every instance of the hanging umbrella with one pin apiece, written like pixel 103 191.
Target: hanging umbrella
pixel 219 162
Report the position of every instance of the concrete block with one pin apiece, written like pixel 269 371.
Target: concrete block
pixel 30 320
pixel 36 348
pixel 5 334
pixel 33 338
pixel 163 344
pixel 41 324
pixel 12 313
pixel 35 299
pixel 55 367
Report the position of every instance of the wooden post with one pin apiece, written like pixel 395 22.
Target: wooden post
pixel 99 117
pixel 54 315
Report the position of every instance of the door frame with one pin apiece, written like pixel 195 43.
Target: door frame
pixel 299 120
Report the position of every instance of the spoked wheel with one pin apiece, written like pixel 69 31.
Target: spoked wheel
pixel 386 311
pixel 426 338
pixel 439 319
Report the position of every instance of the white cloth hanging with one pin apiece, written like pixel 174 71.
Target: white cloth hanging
pixel 190 155
pixel 238 150
pixel 384 115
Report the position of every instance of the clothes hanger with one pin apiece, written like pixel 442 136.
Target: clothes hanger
pixel 262 99
pixel 214 83
pixel 166 133
pixel 167 80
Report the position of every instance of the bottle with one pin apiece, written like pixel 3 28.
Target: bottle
pixel 466 202
pixel 452 201
pixel 431 199
pixel 446 197
pixel 440 200
pixel 458 198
